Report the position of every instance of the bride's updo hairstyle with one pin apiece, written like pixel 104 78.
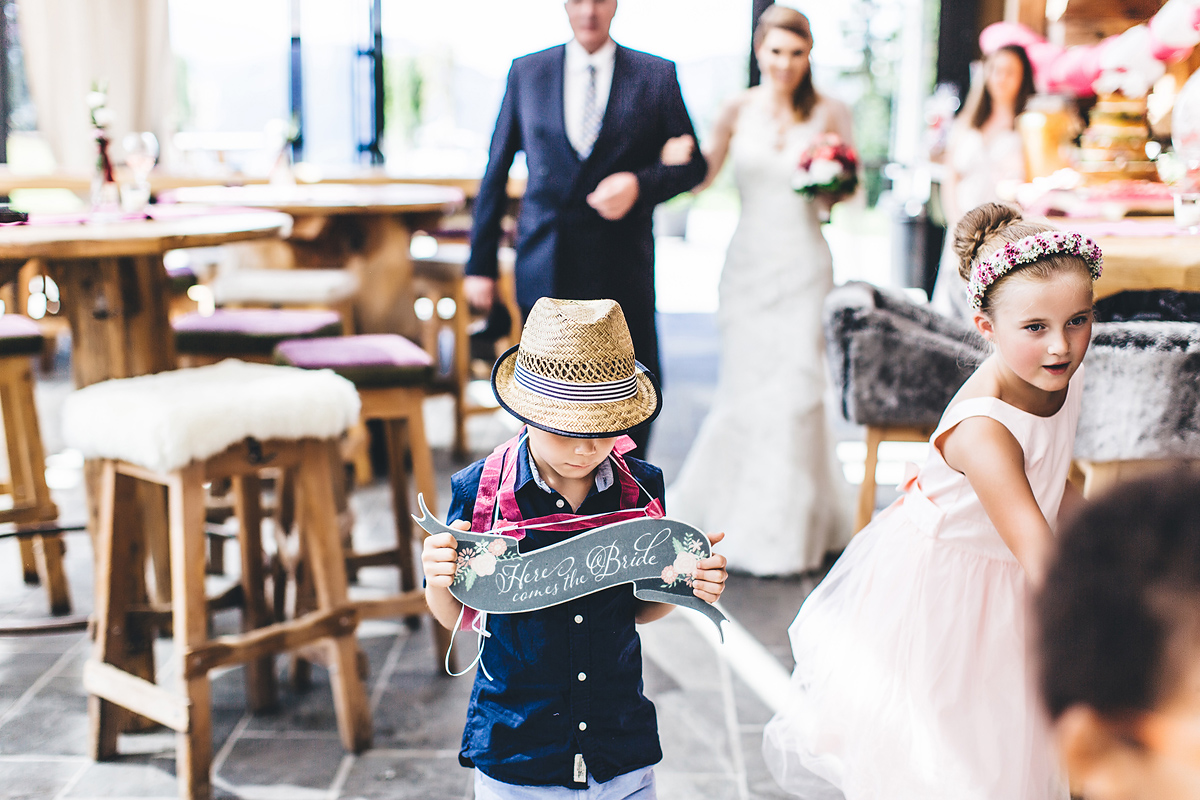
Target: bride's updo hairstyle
pixel 986 229
pixel 804 99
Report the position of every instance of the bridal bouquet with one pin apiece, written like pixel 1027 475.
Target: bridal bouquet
pixel 829 167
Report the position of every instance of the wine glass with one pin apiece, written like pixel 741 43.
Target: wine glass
pixel 141 154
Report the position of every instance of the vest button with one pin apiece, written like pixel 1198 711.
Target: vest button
pixel 560 503
pixel 583 676
pixel 578 619
pixel 583 726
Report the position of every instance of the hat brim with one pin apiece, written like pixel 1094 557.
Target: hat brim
pixel 577 420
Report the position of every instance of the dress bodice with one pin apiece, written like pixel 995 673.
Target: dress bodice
pixel 765 155
pixel 1047 443
pixel 984 163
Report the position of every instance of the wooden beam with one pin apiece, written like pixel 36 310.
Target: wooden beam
pixel 137 694
pixel 1031 13
pixel 275 638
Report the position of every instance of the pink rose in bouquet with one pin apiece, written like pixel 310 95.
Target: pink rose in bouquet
pixel 828 167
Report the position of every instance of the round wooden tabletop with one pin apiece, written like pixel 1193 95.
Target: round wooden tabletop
pixel 87 237
pixel 328 198
pixel 1142 253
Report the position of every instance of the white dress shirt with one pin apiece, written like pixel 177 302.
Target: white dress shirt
pixel 575 82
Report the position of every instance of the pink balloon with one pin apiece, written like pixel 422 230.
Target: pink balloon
pixel 999 34
pixel 1073 70
pixel 1165 52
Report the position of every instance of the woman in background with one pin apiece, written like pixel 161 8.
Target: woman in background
pixel 762 467
pixel 984 153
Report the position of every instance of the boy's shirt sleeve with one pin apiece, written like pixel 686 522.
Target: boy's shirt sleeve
pixel 464 486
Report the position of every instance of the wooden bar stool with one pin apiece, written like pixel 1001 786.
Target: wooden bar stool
pixel 391 375
pixel 330 289
pixel 439 279
pixel 249 334
pixel 42 554
pixel 180 429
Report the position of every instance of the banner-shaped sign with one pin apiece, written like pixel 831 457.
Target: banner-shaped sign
pixel 657 556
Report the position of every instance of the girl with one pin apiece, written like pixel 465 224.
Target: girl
pixel 1119 635
pixel 911 678
pixel 984 152
pixel 766 444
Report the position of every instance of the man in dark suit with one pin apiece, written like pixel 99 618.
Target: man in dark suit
pixel 592 118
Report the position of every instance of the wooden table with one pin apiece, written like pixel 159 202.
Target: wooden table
pixel 113 284
pixel 1142 253
pixel 364 228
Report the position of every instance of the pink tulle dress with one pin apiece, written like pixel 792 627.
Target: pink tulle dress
pixel 912 680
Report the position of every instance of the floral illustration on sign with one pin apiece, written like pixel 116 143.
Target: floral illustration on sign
pixel 479 561
pixel 688 553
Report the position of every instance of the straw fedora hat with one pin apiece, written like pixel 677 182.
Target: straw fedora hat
pixel 574 372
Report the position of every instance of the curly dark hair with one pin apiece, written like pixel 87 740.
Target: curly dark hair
pixel 1119 614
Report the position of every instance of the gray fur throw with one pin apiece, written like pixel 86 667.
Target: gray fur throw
pixel 893 362
pixel 1141 392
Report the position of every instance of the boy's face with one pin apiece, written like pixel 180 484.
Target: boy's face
pixel 1155 755
pixel 568 457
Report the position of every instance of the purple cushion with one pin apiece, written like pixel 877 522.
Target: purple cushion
pixel 19 336
pixel 250 331
pixel 369 360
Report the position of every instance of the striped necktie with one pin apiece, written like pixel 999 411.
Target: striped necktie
pixel 592 116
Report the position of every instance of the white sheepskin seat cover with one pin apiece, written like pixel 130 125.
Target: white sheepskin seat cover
pixel 167 420
pixel 295 286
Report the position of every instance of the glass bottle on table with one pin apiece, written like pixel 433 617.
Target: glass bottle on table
pixel 141 154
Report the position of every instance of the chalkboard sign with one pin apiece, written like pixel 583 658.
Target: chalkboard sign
pixel 657 556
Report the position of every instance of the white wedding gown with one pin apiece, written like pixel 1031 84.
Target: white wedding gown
pixel 762 468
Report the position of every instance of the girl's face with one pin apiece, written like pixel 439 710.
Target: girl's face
pixel 1149 756
pixel 565 456
pixel 1005 74
pixel 783 58
pixel 1041 328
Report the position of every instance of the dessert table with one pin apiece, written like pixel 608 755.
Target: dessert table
pixel 1142 253
pixel 363 227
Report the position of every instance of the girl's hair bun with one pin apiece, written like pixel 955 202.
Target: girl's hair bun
pixel 975 229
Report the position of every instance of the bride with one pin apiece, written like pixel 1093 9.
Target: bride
pixel 762 467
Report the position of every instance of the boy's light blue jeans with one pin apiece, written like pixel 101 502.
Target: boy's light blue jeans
pixel 636 785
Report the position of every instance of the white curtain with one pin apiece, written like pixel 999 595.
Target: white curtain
pixel 69 44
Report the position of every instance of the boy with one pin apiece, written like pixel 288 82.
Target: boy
pixel 558 697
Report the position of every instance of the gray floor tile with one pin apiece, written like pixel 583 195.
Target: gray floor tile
pixel 419 711
pixel 54 722
pixel 417 776
pixel 282 763
pixel 691 785
pixel 130 776
pixel 35 780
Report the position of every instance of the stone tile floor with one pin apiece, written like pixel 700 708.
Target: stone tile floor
pixel 712 700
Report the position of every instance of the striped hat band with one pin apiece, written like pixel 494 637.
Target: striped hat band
pixel 571 392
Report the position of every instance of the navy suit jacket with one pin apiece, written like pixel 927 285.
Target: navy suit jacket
pixel 564 248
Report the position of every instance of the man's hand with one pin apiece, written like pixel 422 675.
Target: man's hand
pixel 480 292
pixel 710 574
pixel 615 195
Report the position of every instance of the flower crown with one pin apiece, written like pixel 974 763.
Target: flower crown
pixel 1028 250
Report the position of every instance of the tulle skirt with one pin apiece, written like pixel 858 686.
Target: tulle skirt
pixel 911 678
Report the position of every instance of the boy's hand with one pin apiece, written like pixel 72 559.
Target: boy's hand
pixel 710 574
pixel 439 556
